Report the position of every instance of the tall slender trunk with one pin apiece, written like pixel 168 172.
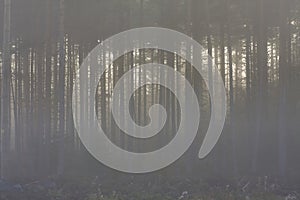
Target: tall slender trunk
pixel 17 96
pixel 47 113
pixel 283 79
pixel 6 90
pixel 61 89
pixel 231 106
pixel 26 109
pixel 249 104
pixel 39 135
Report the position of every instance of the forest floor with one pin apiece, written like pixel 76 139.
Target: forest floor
pixel 131 189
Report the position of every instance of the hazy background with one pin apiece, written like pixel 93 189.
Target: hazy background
pixel 254 43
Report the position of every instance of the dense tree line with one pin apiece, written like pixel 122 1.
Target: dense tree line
pixel 254 43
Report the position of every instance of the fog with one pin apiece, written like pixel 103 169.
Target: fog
pixel 251 45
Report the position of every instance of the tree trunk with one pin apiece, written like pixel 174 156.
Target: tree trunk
pixel 61 89
pixel 6 90
pixel 283 79
pixel 231 100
